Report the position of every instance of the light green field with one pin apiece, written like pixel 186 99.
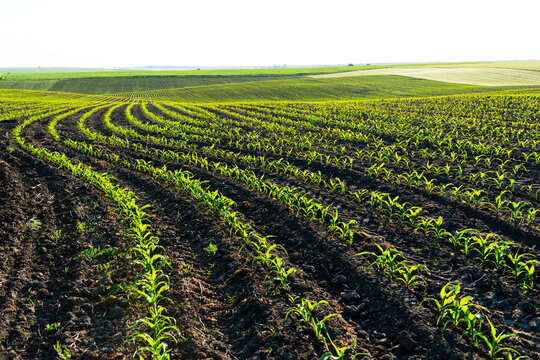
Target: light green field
pixel 309 89
pixel 46 70
pixel 15 74
pixel 106 82
pixel 479 75
pixel 519 65
pixel 107 85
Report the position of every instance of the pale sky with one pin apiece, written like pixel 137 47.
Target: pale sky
pixel 119 33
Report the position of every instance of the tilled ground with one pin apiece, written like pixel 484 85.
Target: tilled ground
pixel 223 304
pixel 47 219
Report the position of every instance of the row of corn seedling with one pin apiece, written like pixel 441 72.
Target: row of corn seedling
pixel 156 329
pixel 496 252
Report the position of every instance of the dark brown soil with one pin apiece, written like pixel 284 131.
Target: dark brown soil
pixel 223 304
pixel 47 218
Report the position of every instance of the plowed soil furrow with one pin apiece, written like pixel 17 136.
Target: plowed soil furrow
pixel 415 160
pixel 42 282
pixel 441 264
pixel 400 236
pixel 59 289
pixel 204 296
pixel 433 198
pixel 456 214
pixel 517 196
pixel 263 212
pixel 272 215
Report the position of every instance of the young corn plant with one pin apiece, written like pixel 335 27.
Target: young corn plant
pixel 516 210
pixel 387 260
pixel 473 322
pixel 429 185
pixel 461 311
pixel 306 313
pixel 63 353
pixel 499 203
pixel 448 296
pixel 345 230
pixel 410 275
pixel 338 353
pixel 391 204
pixel 336 185
pixel 394 265
pixel 401 211
pixel 457 237
pixel 456 192
pixel 467 245
pixel 484 246
pixel 494 340
pixel 412 215
pixel 531 214
pixel 514 262
pixel 528 271
pixel 435 228
pixel 280 273
pixel 478 198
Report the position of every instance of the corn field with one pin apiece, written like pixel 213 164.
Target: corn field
pixel 380 229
